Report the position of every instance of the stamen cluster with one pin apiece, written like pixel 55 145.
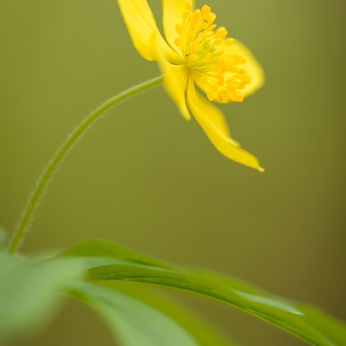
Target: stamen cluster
pixel 206 54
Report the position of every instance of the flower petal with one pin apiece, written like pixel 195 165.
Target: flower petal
pixel 209 117
pixel 142 27
pixel 172 14
pixel 215 116
pixel 174 81
pixel 252 67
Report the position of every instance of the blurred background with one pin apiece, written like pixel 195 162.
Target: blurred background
pixel 146 178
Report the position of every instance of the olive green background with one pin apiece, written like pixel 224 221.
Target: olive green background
pixel 148 179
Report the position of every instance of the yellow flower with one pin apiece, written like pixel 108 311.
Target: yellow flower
pixel 196 53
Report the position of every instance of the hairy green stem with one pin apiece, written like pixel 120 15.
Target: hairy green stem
pixel 71 139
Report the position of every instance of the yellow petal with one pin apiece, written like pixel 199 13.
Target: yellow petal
pixel 174 81
pixel 142 27
pixel 252 67
pixel 208 116
pixel 215 116
pixel 172 14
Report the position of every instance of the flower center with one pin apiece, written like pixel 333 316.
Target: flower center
pixel 208 56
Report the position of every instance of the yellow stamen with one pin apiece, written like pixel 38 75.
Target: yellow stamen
pixel 238 97
pixel 219 53
pixel 229 42
pixel 193 57
pixel 178 28
pixel 224 96
pixel 177 41
pixel 210 96
pixel 245 78
pixel 186 14
pixel 216 42
pixel 221 32
pixel 188 4
pixel 203 51
pixel 212 17
pixel 207 57
pixel 197 14
pixel 205 10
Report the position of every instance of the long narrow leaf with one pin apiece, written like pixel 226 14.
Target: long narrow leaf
pixel 304 321
pixel 135 322
pixel 205 334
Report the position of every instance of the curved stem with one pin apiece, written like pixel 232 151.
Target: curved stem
pixel 71 139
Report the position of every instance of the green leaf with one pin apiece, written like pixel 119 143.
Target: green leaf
pixel 326 324
pixel 131 320
pixel 101 252
pixel 198 328
pixel 29 292
pixel 304 321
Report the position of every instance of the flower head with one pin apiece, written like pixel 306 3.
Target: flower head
pixel 196 52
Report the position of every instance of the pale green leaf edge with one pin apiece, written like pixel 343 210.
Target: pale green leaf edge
pixel 133 312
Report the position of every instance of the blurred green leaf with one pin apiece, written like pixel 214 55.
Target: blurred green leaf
pixel 198 328
pixel 325 324
pixel 132 321
pixel 101 252
pixel 304 321
pixel 29 292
